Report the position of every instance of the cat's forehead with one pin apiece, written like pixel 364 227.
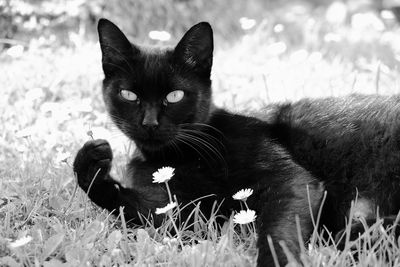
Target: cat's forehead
pixel 155 61
pixel 151 73
pixel 155 74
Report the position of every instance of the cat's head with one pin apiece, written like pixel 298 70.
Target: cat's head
pixel 151 93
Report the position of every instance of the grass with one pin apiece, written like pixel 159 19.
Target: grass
pixel 51 99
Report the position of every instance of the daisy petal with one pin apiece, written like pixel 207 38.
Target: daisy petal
pixel 243 194
pixel 245 217
pixel 169 207
pixel 163 174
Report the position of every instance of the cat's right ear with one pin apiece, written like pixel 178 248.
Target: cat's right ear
pixel 115 48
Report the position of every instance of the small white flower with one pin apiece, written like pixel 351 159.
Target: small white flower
pixel 20 242
pixel 245 217
pixel 243 194
pixel 169 207
pixel 163 174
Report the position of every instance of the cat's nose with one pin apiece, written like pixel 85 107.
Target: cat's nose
pixel 150 124
pixel 150 119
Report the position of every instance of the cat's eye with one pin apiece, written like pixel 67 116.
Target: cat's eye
pixel 175 96
pixel 128 95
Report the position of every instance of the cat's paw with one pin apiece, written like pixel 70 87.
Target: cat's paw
pixel 93 160
pixel 374 228
pixel 356 230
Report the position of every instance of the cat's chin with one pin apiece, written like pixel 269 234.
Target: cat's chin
pixel 151 145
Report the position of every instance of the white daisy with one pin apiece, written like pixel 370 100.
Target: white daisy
pixel 163 175
pixel 243 194
pixel 20 242
pixel 169 207
pixel 244 217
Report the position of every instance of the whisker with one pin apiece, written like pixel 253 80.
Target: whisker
pixel 204 125
pixel 188 143
pixel 205 135
pixel 199 145
pixel 119 122
pixel 176 148
pixel 116 135
pixel 207 145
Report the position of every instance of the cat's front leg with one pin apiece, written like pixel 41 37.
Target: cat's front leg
pixel 277 218
pixel 92 166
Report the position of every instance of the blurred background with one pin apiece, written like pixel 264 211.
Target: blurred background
pixel 266 51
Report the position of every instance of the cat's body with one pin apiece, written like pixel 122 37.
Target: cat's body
pixel 162 101
pixel 352 144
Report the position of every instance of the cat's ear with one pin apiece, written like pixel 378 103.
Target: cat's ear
pixel 115 47
pixel 195 49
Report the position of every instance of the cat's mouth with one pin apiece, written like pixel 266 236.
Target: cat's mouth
pixel 154 141
pixel 152 145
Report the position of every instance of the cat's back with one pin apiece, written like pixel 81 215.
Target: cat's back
pixel 337 116
pixel 354 138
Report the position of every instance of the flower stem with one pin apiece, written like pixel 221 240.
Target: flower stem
pixel 176 228
pixel 253 230
pixel 245 203
pixel 169 191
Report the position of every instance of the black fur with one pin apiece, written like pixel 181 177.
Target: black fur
pixel 352 144
pixel 344 144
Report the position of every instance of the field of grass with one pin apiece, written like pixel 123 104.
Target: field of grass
pixel 51 98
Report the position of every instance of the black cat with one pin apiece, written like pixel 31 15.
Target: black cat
pixel 161 99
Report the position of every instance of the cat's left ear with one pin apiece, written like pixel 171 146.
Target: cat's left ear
pixel 195 49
